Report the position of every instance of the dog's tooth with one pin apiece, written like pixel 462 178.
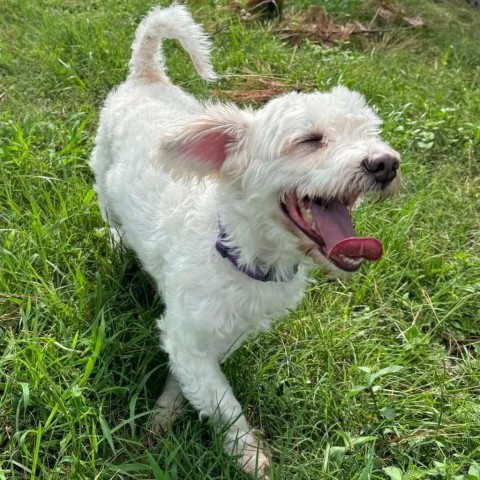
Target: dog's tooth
pixel 350 261
pixel 307 215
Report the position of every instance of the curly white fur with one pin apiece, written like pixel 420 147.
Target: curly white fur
pixel 167 166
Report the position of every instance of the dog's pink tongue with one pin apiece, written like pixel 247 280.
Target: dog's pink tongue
pixel 334 225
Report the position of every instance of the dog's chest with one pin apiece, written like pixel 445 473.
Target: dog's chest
pixel 254 305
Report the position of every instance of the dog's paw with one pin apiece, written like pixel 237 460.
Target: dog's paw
pixel 254 462
pixel 160 422
pixel 248 449
pixel 163 418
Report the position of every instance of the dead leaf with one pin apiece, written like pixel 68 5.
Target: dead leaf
pixel 390 12
pixel 257 89
pixel 320 27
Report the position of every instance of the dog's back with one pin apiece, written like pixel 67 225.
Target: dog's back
pixel 135 114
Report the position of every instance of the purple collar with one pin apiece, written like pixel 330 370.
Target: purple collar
pixel 257 273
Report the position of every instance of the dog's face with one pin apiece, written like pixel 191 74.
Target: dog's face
pixel 302 161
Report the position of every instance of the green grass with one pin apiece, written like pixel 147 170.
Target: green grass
pixel 375 379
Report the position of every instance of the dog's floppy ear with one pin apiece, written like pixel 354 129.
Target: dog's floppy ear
pixel 207 142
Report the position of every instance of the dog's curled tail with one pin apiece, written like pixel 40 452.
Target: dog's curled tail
pixel 175 22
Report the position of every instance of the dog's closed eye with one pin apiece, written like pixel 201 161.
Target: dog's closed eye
pixel 314 140
pixel 305 144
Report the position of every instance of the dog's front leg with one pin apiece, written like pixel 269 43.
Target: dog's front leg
pixel 207 389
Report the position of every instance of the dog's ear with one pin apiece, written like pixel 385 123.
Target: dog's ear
pixel 207 143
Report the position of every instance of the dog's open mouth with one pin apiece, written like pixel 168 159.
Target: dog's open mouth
pixel 328 224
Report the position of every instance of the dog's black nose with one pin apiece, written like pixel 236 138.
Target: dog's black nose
pixel 383 168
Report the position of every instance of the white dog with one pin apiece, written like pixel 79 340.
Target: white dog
pixel 228 208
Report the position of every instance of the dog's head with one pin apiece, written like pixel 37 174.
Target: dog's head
pixel 301 162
